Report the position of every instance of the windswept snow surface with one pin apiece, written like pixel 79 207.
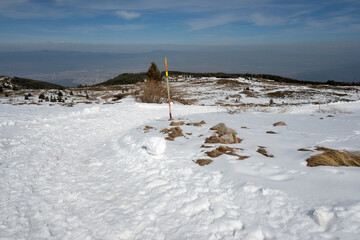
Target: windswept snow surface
pixel 91 172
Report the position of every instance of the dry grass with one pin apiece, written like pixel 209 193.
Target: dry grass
pixel 335 158
pixel 304 150
pixel 271 132
pixel 177 123
pixel 334 110
pixel 279 124
pixel 224 150
pixel 203 162
pixel 263 151
pixel 196 124
pixel 249 94
pixel 172 133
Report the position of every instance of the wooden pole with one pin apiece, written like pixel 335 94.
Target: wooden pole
pixel 168 87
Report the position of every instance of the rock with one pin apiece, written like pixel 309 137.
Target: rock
pixel 224 135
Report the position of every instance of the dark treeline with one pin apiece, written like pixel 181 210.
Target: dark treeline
pixel 125 78
pixel 34 84
pixel 130 78
pixel 264 76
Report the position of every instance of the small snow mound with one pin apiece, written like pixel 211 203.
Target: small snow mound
pixel 91 110
pixel 7 124
pixel 323 217
pixel 154 146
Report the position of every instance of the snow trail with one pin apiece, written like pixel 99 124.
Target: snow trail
pixel 88 172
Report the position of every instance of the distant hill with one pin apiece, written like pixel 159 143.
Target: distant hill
pixel 130 78
pixel 34 84
pixel 125 78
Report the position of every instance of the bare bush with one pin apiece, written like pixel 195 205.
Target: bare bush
pixel 152 92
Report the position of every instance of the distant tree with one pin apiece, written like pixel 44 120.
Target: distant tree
pixel 42 96
pixel 1 89
pixel 60 94
pixel 153 73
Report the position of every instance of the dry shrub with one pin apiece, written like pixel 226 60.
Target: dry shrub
pixel 153 92
pixel 335 158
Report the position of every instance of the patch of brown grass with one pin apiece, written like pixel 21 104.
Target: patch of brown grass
pixel 335 158
pixel 219 151
pixel 249 94
pixel 196 124
pixel 184 101
pixel 263 151
pixel 224 150
pixel 205 146
pixel 279 124
pixel 172 133
pixel 304 150
pixel 177 123
pixel 147 128
pixel 271 132
pixel 203 162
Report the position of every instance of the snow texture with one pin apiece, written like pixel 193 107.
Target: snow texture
pixel 90 172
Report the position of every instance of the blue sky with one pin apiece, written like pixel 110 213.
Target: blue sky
pixel 185 22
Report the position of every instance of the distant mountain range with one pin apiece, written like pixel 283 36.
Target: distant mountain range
pixel 74 68
pixel 17 83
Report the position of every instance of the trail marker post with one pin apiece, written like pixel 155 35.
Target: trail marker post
pixel 168 87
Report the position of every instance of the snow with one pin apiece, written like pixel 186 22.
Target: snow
pixel 92 172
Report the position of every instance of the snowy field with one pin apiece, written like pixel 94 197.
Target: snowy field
pixel 96 166
pixel 92 172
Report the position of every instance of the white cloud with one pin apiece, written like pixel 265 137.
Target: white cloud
pixel 262 20
pixel 128 15
pixel 219 20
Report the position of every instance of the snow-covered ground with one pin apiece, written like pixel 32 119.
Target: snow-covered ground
pixel 92 172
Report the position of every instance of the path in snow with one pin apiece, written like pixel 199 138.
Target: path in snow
pixel 87 173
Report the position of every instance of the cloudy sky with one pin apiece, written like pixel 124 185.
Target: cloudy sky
pixel 185 22
pixel 307 39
